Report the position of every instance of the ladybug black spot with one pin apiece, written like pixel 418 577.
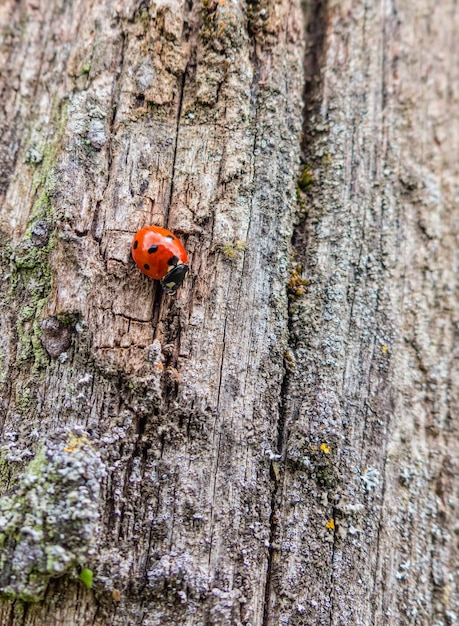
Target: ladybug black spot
pixel 173 260
pixel 152 249
pixel 170 237
pixel 146 266
pixel 136 243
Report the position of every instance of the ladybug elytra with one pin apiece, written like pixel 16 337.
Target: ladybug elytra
pixel 159 254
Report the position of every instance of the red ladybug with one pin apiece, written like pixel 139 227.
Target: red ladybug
pixel 160 255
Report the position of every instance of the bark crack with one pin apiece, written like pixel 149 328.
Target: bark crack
pixel 276 495
pixel 315 14
pixel 111 128
pixel 177 131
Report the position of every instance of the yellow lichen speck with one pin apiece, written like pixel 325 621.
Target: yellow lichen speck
pixel 233 248
pixel 296 285
pixel 325 449
pixel 74 443
pixel 330 524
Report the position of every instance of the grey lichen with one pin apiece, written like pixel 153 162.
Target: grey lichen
pixel 96 134
pixel 48 522
pixel 176 576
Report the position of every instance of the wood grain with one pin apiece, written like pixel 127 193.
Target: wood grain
pixel 366 504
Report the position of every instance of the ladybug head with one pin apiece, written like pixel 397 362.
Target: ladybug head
pixel 173 279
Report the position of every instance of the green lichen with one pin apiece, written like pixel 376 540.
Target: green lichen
pixel 4 476
pixel 142 16
pixel 23 398
pixel 305 180
pixel 29 268
pixel 48 524
pixel 30 286
pixel 69 319
pixel 302 204
pixel 275 467
pixel 233 249
pixel 26 272
pixel 303 186
pixel 85 69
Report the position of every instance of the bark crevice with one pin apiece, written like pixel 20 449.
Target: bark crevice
pixel 315 20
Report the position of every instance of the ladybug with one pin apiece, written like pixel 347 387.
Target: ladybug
pixel 160 255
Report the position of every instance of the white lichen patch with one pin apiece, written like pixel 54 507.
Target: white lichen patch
pixel 48 522
pixel 370 478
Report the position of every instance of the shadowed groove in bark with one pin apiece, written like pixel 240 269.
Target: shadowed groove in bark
pixel 315 21
pixel 111 131
pixel 315 12
pixel 177 130
pixel 187 34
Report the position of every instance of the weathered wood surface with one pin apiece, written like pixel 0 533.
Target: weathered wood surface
pixel 167 413
pixel 369 430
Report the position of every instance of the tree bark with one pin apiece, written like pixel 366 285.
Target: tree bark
pixel 277 443
pixel 365 510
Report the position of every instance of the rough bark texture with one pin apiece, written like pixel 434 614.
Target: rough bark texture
pixel 367 504
pixel 277 443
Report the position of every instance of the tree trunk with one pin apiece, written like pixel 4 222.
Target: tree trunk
pixel 277 442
